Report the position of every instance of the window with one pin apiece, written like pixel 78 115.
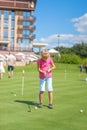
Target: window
pixel 6 14
pixel 0 13
pixel 25 23
pixel 12 24
pixel 13 15
pixel 25 33
pixel 12 33
pixel 5 33
pixel 12 41
pixel 5 23
pixel 26 14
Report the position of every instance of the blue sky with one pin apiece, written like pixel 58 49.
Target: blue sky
pixel 66 18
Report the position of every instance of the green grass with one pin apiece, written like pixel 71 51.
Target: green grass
pixel 70 95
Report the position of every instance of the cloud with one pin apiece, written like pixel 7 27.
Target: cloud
pixel 52 40
pixel 68 40
pixel 65 40
pixel 80 23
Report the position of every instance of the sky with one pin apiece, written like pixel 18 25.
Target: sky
pixel 64 18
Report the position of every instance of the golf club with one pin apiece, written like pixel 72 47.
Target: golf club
pixel 23 82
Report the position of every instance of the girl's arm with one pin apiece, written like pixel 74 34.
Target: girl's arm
pixel 40 71
pixel 52 67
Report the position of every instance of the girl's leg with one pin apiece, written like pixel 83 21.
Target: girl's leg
pixel 0 75
pixel 41 97
pixel 50 92
pixel 9 74
pixel 50 95
pixel 42 89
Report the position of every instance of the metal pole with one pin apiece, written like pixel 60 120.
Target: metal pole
pixel 58 45
pixel 23 82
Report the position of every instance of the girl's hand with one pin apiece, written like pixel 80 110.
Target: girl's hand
pixel 49 70
pixel 45 73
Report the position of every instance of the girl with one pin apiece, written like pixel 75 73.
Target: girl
pixel 2 70
pixel 45 66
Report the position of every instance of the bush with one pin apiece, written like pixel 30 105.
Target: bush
pixel 67 58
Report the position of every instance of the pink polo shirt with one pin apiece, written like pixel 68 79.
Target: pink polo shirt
pixel 44 66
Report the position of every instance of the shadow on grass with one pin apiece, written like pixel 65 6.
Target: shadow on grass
pixel 28 103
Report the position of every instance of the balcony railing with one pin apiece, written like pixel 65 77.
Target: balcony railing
pixel 17 5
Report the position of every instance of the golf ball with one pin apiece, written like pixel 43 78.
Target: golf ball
pixel 14 94
pixel 86 79
pixel 35 108
pixel 81 110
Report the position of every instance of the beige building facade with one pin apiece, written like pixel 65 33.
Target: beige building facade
pixel 17 24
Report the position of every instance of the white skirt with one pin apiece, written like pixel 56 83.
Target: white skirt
pixel 2 70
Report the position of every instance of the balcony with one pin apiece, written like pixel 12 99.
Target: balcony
pixel 20 27
pixel 24 5
pixel 32 28
pixel 20 17
pixel 31 37
pixel 32 19
pixel 20 36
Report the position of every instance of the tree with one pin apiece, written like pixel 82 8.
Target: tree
pixel 80 49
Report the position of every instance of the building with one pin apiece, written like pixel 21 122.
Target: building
pixel 39 46
pixel 17 24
